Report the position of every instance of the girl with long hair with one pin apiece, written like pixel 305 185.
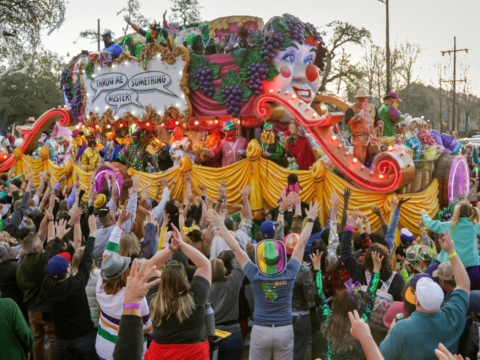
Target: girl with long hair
pixel 464 229
pixel 177 307
pixel 335 276
pixel 335 322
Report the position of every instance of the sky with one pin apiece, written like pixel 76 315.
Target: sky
pixel 432 24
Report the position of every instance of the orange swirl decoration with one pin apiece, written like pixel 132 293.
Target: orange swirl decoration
pixel 185 165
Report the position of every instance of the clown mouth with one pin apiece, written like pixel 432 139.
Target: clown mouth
pixel 304 94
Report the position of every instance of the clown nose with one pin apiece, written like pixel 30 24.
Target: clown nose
pixel 311 72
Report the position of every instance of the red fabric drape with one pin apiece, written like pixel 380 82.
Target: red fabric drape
pixel 302 151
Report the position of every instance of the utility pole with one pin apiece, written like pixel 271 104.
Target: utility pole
pixel 389 75
pixel 98 35
pixel 454 81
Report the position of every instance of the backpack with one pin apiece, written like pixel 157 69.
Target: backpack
pixel 383 300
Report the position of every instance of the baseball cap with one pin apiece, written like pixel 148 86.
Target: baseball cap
pixel 58 265
pixel 394 309
pixel 267 229
pixel 444 271
pixel 410 293
pixel 406 236
pixel 429 294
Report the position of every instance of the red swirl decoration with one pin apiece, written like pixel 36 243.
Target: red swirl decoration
pixel 393 169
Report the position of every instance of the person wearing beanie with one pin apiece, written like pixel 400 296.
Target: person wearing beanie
pixel 418 336
pixel 74 329
pixel 406 239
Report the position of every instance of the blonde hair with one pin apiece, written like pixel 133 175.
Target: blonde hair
pixel 464 209
pixel 129 245
pixel 77 258
pixel 173 296
pixel 218 270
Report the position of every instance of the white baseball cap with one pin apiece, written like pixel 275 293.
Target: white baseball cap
pixel 429 294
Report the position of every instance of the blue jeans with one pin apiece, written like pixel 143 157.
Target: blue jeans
pixel 231 348
pixel 302 332
pixel 77 349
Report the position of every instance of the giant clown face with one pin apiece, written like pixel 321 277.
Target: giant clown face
pixel 298 74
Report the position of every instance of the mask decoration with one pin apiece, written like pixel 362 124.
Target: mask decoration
pixel 178 133
pixel 296 49
pixel 231 135
pixel 43 138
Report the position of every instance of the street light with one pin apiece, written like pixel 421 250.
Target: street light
pixel 389 75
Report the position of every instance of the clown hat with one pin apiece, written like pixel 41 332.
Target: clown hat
pixel 290 241
pixel 271 257
pixel 110 136
pixel 77 132
pixel 229 125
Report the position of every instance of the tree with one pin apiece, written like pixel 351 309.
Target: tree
pixel 24 20
pixel 132 10
pixel 92 35
pixel 33 92
pixel 341 34
pixel 407 57
pixel 186 11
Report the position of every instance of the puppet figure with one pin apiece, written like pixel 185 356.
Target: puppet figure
pixel 90 157
pixel 111 150
pixel 273 148
pixel 232 148
pixel 133 155
pixel 202 44
pixel 299 147
pixel 390 114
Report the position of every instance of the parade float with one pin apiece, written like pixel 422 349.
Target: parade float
pixel 236 75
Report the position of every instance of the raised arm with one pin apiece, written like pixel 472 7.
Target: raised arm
pixel 247 210
pixel 232 243
pixel 333 241
pixel 361 331
pixel 114 191
pixel 459 271
pixel 299 249
pixel 353 266
pixel 114 241
pixel 132 204
pixel 221 195
pixel 425 238
pixel 324 312
pixel 203 265
pixel 346 198
pixel 77 229
pixel 376 211
pixel 435 226
pixel 392 228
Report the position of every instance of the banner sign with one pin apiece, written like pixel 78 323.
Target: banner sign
pixel 127 87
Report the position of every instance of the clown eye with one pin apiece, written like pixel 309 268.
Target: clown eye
pixel 308 60
pixel 289 57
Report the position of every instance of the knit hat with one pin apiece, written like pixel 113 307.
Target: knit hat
pixel 267 229
pixel 100 201
pixel 271 257
pixel 406 236
pixel 58 265
pixel 290 241
pixel 60 138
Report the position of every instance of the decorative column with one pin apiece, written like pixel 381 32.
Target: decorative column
pixel 18 164
pixel 185 165
pixel 254 153
pixel 318 173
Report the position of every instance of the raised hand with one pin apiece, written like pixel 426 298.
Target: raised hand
pixel 402 201
pixel 347 193
pixel 165 182
pixel 92 225
pixel 376 210
pixel 166 220
pixel 214 218
pixel 61 228
pixel 123 216
pixel 447 243
pixel 316 259
pixel 421 225
pixel 77 214
pixel 360 329
pixel 245 191
pixel 312 212
pixel 137 285
pixel 352 219
pixel 377 261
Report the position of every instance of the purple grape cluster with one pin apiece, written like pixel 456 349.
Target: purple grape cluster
pixel 203 77
pixel 76 104
pixel 232 94
pixel 315 33
pixel 68 93
pixel 257 72
pixel 64 77
pixel 269 46
pixel 447 217
pixel 298 30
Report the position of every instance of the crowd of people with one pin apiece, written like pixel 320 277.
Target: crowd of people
pixel 125 276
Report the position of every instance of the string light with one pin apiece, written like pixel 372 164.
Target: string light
pixel 148 124
pixel 380 176
pixel 334 138
pixel 196 122
pixel 176 122
pixel 390 148
pixel 355 160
